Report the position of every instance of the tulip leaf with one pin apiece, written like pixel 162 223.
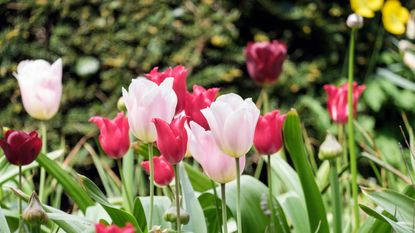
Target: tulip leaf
pixel 295 210
pixel 199 181
pixel 212 209
pixel 4 228
pixel 71 187
pixel 8 171
pixel 295 145
pixel 161 204
pixel 140 214
pixel 398 226
pixel 191 205
pixel 118 216
pixel 253 217
pixel 67 222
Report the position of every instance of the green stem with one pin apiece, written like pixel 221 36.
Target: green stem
pixel 265 108
pixel 335 190
pixel 258 168
pixel 271 197
pixel 224 208
pixel 238 196
pixel 353 165
pixel 216 203
pixel 127 200
pixel 42 170
pixel 20 188
pixel 150 157
pixel 177 184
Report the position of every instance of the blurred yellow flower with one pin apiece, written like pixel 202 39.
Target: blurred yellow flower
pixel 394 17
pixel 366 8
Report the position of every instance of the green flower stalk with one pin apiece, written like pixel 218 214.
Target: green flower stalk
pixel 150 158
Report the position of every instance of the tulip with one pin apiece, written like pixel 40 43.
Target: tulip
pixel 163 170
pixel 114 137
pixel 337 101
pixel 216 164
pixel 395 17
pixel 198 100
pixel 101 228
pixel 172 139
pixel 146 100
pixel 232 121
pixel 268 133
pixel 40 86
pixel 21 148
pixel 264 60
pixel 366 8
pixel 178 73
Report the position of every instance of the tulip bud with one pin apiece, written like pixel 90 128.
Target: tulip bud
pixel 121 105
pixel 354 21
pixel 171 216
pixel 410 27
pixel 34 213
pixel 330 148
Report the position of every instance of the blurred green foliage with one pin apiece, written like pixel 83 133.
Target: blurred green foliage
pixel 104 44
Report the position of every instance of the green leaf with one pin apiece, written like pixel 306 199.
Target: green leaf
pixel 296 212
pixel 295 145
pixel 286 176
pixel 161 204
pixel 212 214
pixel 199 181
pixel 71 187
pixel 4 228
pixel 399 227
pixel 140 214
pixel 253 218
pixel 118 216
pixel 374 95
pixel 191 205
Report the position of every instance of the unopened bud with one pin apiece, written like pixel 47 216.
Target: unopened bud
pixel 354 21
pixel 121 105
pixel 34 213
pixel 409 59
pixel 171 216
pixel 330 148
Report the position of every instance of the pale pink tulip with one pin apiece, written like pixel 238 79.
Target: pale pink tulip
pixel 232 121
pixel 40 86
pixel 216 164
pixel 145 100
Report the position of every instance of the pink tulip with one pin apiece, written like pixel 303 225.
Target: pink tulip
pixel 268 133
pixel 40 86
pixel 21 148
pixel 163 170
pixel 264 60
pixel 101 228
pixel 172 139
pixel 146 100
pixel 232 121
pixel 198 100
pixel 178 73
pixel 217 165
pixel 114 134
pixel 337 101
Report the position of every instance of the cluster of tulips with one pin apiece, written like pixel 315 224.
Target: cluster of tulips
pixel 217 131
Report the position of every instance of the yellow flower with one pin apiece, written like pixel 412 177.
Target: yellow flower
pixel 366 8
pixel 394 17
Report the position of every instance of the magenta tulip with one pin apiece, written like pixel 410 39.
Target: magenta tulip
pixel 268 133
pixel 337 101
pixel 21 148
pixel 264 60
pixel 198 100
pixel 114 135
pixel 101 228
pixel 163 170
pixel 172 139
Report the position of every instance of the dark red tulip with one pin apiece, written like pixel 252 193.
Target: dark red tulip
pixel 163 170
pixel 114 134
pixel 268 133
pixel 198 100
pixel 172 139
pixel 101 228
pixel 337 101
pixel 21 148
pixel 178 73
pixel 264 60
